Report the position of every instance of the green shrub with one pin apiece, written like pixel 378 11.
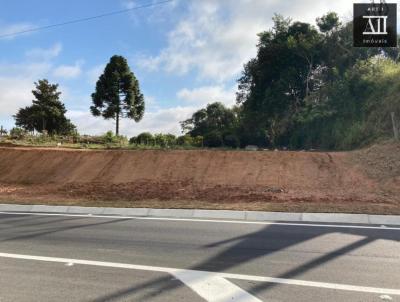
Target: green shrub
pixel 185 140
pixel 109 138
pixel 231 140
pixel 171 140
pixel 133 140
pixel 198 141
pixel 17 133
pixel 145 138
pixel 213 139
pixel 160 140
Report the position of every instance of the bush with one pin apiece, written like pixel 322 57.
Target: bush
pixel 75 137
pixel 109 137
pixel 160 140
pixel 171 139
pixel 213 139
pixel 198 141
pixel 17 133
pixel 133 140
pixel 185 140
pixel 231 140
pixel 145 138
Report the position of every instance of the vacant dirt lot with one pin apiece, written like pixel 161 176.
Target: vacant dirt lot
pixel 364 181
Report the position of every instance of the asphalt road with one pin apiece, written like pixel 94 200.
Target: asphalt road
pixel 69 258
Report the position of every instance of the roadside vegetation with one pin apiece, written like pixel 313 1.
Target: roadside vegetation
pixel 145 140
pixel 307 88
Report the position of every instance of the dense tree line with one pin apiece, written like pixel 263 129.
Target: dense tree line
pixel 308 87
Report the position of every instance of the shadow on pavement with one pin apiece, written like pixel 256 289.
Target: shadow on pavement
pixel 239 250
pixel 52 230
pixel 258 244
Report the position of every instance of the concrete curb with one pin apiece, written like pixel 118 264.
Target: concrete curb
pixel 210 214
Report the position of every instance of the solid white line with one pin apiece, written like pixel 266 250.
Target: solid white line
pixel 347 226
pixel 179 272
pixel 325 285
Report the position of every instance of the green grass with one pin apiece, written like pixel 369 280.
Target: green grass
pixel 53 143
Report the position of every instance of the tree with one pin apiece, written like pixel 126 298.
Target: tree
pixel 145 138
pixel 231 140
pixel 213 139
pixel 305 41
pixel 2 131
pixel 328 22
pixel 215 117
pixel 185 140
pixel 17 133
pixel 165 140
pixel 118 94
pixel 296 67
pixel 47 112
pixel 274 83
pixel 212 123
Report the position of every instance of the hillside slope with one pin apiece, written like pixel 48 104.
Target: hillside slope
pixel 222 177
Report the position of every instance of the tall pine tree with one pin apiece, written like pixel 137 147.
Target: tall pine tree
pixel 118 94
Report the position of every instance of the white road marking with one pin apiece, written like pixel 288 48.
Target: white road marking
pixel 183 273
pixel 212 287
pixel 347 226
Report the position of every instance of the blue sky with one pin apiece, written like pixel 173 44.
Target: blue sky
pixel 186 53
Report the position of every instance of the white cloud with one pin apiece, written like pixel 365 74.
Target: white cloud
pixel 159 121
pixel 8 29
pixel 94 73
pixel 68 71
pixel 44 53
pixel 24 69
pixel 161 13
pixel 16 83
pixel 14 93
pixel 130 4
pixel 211 38
pixel 215 38
pixel 202 96
pixel 156 119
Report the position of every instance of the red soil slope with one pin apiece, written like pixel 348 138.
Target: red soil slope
pixel 217 176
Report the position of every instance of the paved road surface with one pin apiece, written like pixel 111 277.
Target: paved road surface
pixel 75 258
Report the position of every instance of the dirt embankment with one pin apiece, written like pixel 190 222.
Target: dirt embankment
pixel 177 178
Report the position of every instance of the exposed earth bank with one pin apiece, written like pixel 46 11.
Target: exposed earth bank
pixel 365 181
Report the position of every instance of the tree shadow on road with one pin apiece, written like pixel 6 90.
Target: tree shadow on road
pixel 228 254
pixel 262 243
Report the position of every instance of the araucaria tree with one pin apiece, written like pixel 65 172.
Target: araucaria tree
pixel 118 94
pixel 47 112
